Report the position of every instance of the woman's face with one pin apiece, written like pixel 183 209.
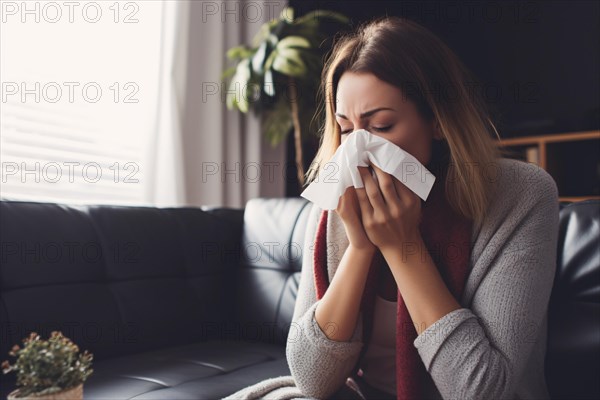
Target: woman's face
pixel 365 102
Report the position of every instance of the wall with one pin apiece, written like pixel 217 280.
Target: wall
pixel 537 60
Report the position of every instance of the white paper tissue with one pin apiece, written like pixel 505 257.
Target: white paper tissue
pixel 362 148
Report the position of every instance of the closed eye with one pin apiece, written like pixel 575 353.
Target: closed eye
pixel 383 128
pixel 375 128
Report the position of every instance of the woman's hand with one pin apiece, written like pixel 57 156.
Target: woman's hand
pixel 390 211
pixel 349 211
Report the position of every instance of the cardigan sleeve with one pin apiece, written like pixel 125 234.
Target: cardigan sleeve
pixel 318 364
pixel 481 351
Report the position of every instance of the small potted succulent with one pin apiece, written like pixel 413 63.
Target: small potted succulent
pixel 49 369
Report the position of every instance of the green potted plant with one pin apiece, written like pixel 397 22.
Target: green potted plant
pixel 48 369
pixel 278 76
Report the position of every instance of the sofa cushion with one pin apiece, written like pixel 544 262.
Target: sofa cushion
pixel 208 370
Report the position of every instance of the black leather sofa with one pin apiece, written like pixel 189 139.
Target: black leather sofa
pixel 195 303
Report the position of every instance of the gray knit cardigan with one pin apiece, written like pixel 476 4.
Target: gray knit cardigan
pixel 491 348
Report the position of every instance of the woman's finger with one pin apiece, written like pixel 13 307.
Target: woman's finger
pixel 372 189
pixel 363 198
pixel 387 187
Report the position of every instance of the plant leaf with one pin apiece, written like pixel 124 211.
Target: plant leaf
pixel 277 122
pixel 228 72
pixel 273 39
pixel 288 62
pixel 238 52
pixel 287 14
pixel 270 59
pixel 262 34
pixel 239 82
pixel 269 85
pixel 293 41
pixel 258 58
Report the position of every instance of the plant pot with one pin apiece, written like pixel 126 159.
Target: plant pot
pixel 74 393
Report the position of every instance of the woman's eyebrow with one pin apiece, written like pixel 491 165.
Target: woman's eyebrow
pixel 366 113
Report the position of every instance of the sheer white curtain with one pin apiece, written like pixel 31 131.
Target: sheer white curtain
pixel 204 153
pixel 165 158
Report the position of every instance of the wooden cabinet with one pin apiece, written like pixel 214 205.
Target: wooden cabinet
pixel 572 159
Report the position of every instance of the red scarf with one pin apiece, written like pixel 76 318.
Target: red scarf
pixel 447 236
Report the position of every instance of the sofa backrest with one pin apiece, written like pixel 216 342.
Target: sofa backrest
pixel 573 356
pixel 271 262
pixel 115 279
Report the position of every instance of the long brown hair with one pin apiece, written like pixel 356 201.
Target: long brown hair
pixel 407 55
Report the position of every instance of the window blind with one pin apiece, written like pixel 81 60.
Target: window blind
pixel 79 101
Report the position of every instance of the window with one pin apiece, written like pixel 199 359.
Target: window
pixel 80 84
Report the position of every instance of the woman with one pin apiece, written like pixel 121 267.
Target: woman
pixel 441 299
